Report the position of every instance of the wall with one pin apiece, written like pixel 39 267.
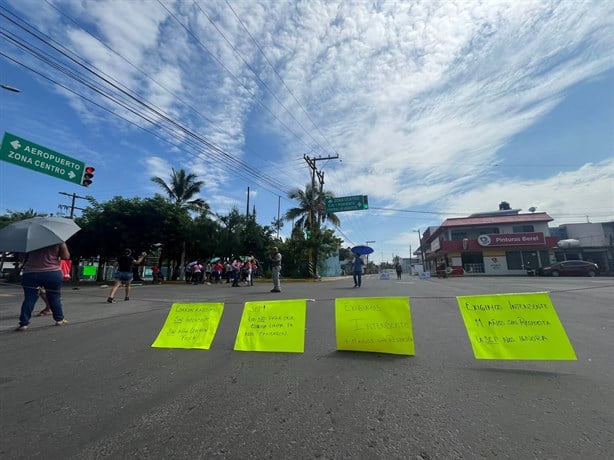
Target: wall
pixel 495 263
pixel 331 266
pixel 589 235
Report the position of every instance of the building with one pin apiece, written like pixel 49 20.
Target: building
pixel 410 265
pixel 503 242
pixel 587 241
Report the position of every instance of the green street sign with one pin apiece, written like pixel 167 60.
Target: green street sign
pixel 22 152
pixel 346 203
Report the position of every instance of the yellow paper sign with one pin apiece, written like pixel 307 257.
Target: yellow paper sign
pixel 377 324
pixel 515 326
pixel 275 325
pixel 190 325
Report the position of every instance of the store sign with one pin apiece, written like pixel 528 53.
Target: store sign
pixel 512 239
pixel 435 245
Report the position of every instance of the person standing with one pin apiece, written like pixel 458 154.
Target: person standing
pixel 155 274
pixel 236 271
pixel 357 270
pixel 249 266
pixel 275 269
pixel 255 268
pixel 218 268
pixel 125 263
pixel 228 270
pixel 399 270
pixel 197 272
pixel 42 269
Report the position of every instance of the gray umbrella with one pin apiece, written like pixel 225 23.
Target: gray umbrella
pixel 35 233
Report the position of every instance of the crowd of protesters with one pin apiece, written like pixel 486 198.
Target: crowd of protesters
pixel 235 270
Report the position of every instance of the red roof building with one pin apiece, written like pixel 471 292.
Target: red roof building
pixel 502 242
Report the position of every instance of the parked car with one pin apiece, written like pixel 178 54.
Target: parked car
pixel 570 268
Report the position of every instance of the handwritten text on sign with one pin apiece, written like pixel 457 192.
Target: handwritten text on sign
pixel 376 324
pixel 276 325
pixel 190 325
pixel 515 326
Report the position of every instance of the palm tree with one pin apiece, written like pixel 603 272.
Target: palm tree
pixel 310 213
pixel 181 190
pixel 311 210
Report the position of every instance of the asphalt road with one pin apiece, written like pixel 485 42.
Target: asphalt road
pixel 96 388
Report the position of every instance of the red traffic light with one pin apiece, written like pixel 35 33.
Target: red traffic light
pixel 88 175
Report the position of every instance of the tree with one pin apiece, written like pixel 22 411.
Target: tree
pixel 309 214
pixel 345 253
pixel 16 216
pixel 110 227
pixel 242 235
pixel 311 208
pixel 277 224
pixel 182 189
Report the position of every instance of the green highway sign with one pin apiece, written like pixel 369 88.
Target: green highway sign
pixel 346 203
pixel 22 152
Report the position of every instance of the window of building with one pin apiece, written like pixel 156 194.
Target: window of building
pixel 487 230
pixel 523 228
pixel 544 258
pixel 458 235
pixel 524 260
pixel 514 260
pixel 472 234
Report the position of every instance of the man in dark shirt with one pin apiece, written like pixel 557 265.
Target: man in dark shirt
pixel 124 273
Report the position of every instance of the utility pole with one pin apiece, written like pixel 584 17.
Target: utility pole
pixel 278 211
pixel 421 248
pixel 311 162
pixel 247 208
pixel 72 205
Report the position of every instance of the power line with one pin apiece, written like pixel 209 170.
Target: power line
pixel 279 76
pixel 249 66
pixel 213 149
pixel 235 78
pixel 149 77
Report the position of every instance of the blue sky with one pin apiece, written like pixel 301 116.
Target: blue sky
pixel 435 109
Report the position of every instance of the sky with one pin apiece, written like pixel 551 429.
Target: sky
pixel 433 109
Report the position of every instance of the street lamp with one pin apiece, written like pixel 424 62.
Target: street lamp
pixel 10 88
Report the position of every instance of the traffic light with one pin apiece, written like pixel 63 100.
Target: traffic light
pixel 365 202
pixel 88 175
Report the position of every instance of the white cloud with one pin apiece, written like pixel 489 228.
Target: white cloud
pixel 567 196
pixel 418 98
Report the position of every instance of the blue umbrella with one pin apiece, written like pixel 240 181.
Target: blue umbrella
pixel 362 250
